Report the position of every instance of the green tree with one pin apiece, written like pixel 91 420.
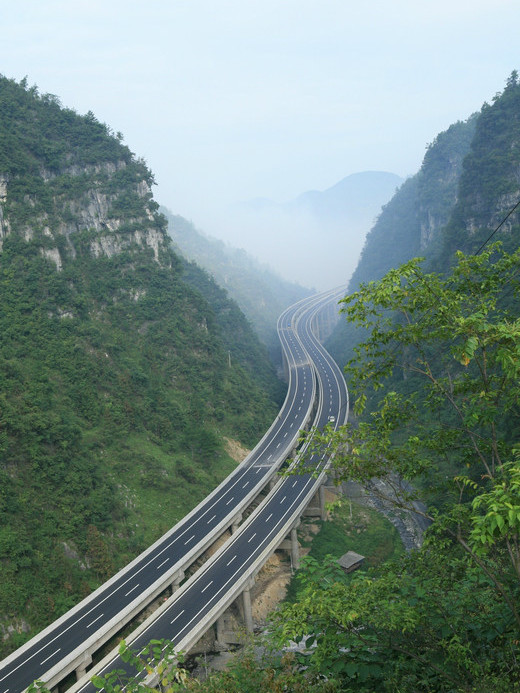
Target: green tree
pixel 437 396
pixel 157 662
pixel 248 672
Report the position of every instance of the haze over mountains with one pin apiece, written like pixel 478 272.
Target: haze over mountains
pixel 261 294
pixel 315 239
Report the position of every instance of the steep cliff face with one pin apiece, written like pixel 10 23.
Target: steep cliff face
pixel 66 179
pixel 107 203
pixel 117 394
pixel 419 210
pixel 438 179
pixel 490 181
pixel 465 192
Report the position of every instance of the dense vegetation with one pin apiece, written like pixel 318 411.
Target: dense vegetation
pixel 439 374
pixel 435 381
pixel 436 374
pixel 119 380
pixel 489 180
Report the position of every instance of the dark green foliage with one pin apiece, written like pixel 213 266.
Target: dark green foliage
pixel 410 224
pixel 412 625
pixel 442 355
pixel 116 390
pixel 51 136
pixel 351 527
pixel 395 234
pixel 489 182
pixel 236 331
pixel 446 618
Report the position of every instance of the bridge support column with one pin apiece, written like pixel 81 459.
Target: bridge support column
pixel 295 550
pixel 316 507
pixel 81 670
pixel 220 633
pixel 290 544
pixel 244 605
pixel 235 523
pixel 246 610
pixel 176 582
pixel 225 632
pixel 321 492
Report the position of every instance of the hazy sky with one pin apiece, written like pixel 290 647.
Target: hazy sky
pixel 236 99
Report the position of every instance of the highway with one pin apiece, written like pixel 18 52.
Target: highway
pixel 206 595
pixel 62 646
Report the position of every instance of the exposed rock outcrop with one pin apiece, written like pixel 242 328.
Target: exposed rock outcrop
pixel 85 200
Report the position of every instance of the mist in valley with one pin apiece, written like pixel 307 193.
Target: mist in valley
pixel 314 239
pixel 233 102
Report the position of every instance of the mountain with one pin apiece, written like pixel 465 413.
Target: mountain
pixel 124 374
pixel 316 238
pixel 489 186
pixel 411 222
pixel 437 419
pixel 464 195
pixel 420 208
pixel 261 294
pixel 357 197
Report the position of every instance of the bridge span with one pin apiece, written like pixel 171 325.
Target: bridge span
pixel 201 602
pixel 68 644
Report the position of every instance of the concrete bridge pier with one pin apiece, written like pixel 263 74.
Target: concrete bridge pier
pixel 176 582
pixel 295 549
pixel 221 641
pixel 81 670
pixel 226 632
pixel 290 544
pixel 316 507
pixel 325 321
pixel 247 613
pixel 244 605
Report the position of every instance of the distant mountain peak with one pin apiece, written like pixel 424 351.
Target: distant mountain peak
pixel 372 188
pixel 342 215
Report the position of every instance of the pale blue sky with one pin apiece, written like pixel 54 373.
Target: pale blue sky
pixel 236 99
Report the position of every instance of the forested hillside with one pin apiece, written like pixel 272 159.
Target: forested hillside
pixel 410 224
pixel 261 294
pixel 120 381
pixel 489 182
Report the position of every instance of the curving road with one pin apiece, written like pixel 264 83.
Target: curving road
pixel 206 595
pixel 62 647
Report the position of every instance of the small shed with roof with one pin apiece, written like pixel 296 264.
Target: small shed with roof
pixel 351 561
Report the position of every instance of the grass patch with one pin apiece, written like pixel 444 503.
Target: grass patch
pixel 159 489
pixel 352 527
pixel 355 527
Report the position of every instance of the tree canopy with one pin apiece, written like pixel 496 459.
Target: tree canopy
pixel 438 401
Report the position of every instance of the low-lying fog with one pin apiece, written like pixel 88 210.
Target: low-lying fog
pixel 315 239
